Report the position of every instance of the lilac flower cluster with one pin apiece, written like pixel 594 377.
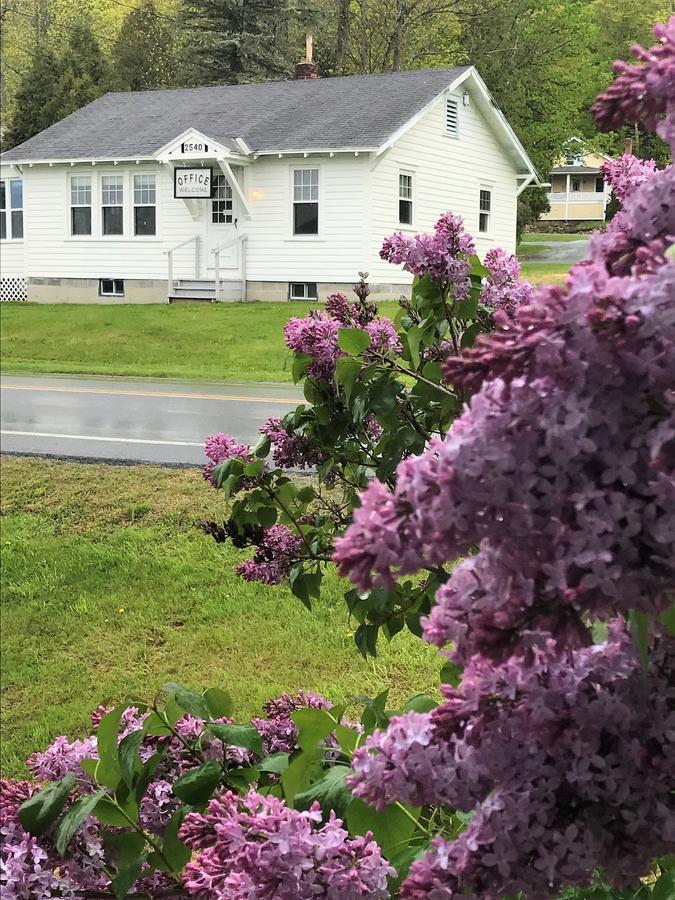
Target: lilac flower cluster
pixel 219 447
pixel 275 554
pixel 317 336
pixel 383 338
pixel 442 255
pixel 278 731
pixel 502 288
pixel 626 173
pixel 256 846
pixel 561 471
pixel 351 315
pixel 290 450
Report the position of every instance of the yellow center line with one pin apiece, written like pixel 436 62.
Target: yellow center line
pixel 120 393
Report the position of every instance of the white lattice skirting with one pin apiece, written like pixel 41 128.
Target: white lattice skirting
pixel 13 289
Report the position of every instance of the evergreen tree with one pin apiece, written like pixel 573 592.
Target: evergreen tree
pixel 143 54
pixel 236 41
pixel 35 109
pixel 83 72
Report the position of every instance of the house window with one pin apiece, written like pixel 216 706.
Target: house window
pixel 405 198
pixel 112 203
pixel 485 210
pixel 600 184
pixel 305 201
pixel 303 290
pixel 221 205
pixel 80 204
pixel 451 117
pixel 145 209
pixel 111 287
pixel 11 220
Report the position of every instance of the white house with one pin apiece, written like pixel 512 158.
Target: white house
pixel 256 191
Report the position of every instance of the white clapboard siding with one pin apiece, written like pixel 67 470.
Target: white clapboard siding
pixel 337 252
pixel 448 174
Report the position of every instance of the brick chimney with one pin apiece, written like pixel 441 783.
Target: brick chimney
pixel 307 70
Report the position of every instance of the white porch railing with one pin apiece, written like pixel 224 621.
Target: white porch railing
pixel 169 257
pixel 575 196
pixel 240 240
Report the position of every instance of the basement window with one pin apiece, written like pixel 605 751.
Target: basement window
pixel 110 287
pixel 302 290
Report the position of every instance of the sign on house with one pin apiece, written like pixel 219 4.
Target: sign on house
pixel 192 182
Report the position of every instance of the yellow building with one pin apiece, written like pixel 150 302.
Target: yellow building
pixel 578 191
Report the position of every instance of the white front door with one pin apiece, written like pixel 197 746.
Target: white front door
pixel 221 225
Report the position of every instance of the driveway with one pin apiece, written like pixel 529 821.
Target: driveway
pixel 568 252
pixel 131 420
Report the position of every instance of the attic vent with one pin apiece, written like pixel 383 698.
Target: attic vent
pixel 451 116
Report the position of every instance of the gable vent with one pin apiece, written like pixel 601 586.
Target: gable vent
pixel 451 116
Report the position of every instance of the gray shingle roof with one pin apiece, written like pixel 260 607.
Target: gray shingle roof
pixel 576 170
pixel 359 111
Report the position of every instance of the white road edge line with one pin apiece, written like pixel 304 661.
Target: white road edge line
pixel 91 437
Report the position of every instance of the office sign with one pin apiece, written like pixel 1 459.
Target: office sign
pixel 192 182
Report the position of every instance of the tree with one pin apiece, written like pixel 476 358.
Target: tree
pixel 35 108
pixel 83 72
pixel 143 54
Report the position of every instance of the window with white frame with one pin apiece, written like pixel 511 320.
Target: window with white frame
pixel 11 209
pixel 221 204
pixel 405 198
pixel 80 204
pixel 452 117
pixel 302 290
pixel 111 287
pixel 112 204
pixel 305 201
pixel 145 205
pixel 484 210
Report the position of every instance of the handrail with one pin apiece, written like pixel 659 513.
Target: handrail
pixel 229 242
pixel 169 257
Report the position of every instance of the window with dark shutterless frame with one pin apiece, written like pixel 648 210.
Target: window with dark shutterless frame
pixel 80 205
pixel 145 205
pixel 221 202
pixel 302 290
pixel 112 204
pixel 111 287
pixel 305 201
pixel 484 210
pixel 405 198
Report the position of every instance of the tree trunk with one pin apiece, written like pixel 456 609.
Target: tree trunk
pixel 342 36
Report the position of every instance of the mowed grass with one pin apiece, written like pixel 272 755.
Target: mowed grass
pixel 544 272
pixel 109 588
pixel 222 342
pixel 536 236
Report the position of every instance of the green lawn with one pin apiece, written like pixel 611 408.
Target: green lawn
pixel 109 588
pixel 527 250
pixel 544 272
pixel 536 236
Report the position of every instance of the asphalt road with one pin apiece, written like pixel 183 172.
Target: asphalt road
pixel 131 420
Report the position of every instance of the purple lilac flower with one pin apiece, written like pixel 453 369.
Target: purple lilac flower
pixel 278 731
pixel 626 173
pixel 383 337
pixel 278 549
pixel 257 847
pixel 62 757
pixel 503 288
pixel 317 336
pixel 290 450
pixel 567 762
pixel 219 447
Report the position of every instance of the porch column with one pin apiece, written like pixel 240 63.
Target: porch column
pixel 567 198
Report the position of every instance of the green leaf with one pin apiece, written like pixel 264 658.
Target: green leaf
pixel 420 703
pixel 639 629
pixel 109 813
pixel 109 771
pixel 241 779
pixel 262 448
pixel 391 827
pixel 414 338
pixel 346 372
pixel 74 817
pixel 267 516
pixel 300 363
pixel 331 792
pixel 668 618
pixel 253 469
pixel 306 494
pixel 313 725
pixel 301 773
pixel 190 701
pixel 275 764
pixel 353 340
pixel 347 737
pixel 219 703
pixel 451 673
pixel 246 736
pixel 38 812
pixel 466 309
pixel 365 638
pixel 664 889
pixel 157 725
pixel 131 855
pixel 146 775
pixel 196 787
pixel 470 334
pixel 129 760
pixel 477 267
pixel 174 851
